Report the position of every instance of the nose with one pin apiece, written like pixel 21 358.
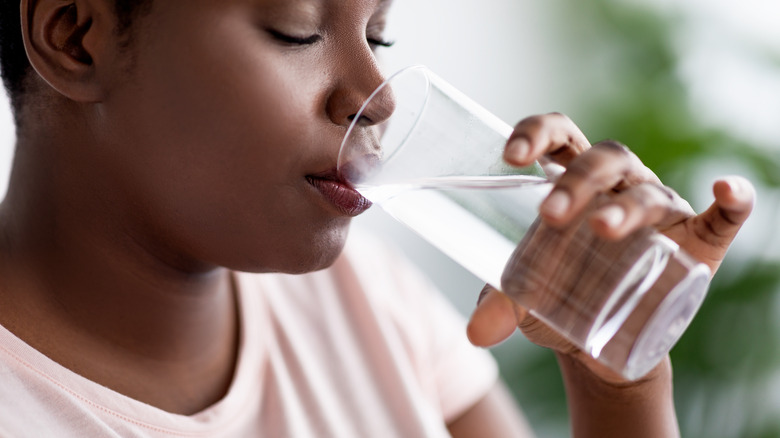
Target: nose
pixel 359 83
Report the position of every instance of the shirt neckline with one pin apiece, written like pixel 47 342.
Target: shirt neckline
pixel 245 383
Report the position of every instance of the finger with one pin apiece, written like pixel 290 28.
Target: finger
pixel 715 229
pixel 552 134
pixel 607 165
pixel 541 334
pixel 493 320
pixel 639 206
pixel 734 198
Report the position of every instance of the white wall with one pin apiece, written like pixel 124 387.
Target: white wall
pixel 6 142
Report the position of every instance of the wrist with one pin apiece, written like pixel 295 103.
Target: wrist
pixel 598 380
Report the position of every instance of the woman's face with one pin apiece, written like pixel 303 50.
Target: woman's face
pixel 222 138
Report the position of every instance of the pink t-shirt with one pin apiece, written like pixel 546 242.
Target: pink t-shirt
pixel 366 348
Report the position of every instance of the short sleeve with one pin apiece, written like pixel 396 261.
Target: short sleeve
pixel 463 373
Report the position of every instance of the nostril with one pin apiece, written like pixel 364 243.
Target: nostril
pixel 362 121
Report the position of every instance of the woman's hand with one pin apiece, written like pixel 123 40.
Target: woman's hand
pixel 638 198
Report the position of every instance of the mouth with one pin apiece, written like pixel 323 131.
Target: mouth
pixel 339 193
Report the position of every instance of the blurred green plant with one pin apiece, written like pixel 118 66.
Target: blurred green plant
pixel 727 365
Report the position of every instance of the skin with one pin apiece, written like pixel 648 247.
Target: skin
pixel 144 174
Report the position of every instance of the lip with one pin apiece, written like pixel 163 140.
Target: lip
pixel 339 193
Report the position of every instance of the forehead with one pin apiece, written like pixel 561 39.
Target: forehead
pixel 317 8
pixel 312 13
pixel 306 7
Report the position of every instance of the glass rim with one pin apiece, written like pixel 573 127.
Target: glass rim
pixel 426 74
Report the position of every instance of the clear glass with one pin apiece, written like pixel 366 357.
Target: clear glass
pixel 436 165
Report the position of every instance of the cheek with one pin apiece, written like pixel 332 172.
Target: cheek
pixel 223 110
pixel 217 158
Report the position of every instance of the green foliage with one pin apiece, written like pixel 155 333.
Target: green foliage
pixel 532 374
pixel 737 332
pixel 728 359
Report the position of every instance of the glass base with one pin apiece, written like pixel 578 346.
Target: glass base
pixel 668 323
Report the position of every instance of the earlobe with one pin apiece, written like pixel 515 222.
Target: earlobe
pixel 56 39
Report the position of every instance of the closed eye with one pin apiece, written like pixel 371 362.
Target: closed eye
pixel 378 42
pixel 294 40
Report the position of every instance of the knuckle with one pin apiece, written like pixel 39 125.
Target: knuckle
pixel 581 169
pixel 560 116
pixel 613 146
pixel 544 121
pixel 595 167
pixel 657 195
pixel 667 192
pixel 643 197
pixel 530 122
pixel 729 219
pixel 708 232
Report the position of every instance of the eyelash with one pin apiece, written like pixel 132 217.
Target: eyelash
pixel 294 40
pixel 305 41
pixel 378 42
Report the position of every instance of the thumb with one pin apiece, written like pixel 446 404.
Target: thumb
pixel 494 319
pixel 716 227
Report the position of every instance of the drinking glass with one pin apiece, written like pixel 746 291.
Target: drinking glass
pixel 435 164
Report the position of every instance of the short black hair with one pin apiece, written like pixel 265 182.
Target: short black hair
pixel 14 65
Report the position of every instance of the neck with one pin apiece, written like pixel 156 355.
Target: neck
pixel 84 289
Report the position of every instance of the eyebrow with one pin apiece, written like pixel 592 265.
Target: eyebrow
pixel 382 7
pixel 308 10
pixel 313 9
pixel 383 4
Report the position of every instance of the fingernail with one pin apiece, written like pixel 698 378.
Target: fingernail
pixel 483 294
pixel 736 184
pixel 557 204
pixel 612 215
pixel 518 149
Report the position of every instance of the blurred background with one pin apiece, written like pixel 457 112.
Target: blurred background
pixel 694 89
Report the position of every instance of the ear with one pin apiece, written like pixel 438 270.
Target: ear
pixel 66 41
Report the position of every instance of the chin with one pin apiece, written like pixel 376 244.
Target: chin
pixel 301 256
pixel 323 261
pixel 321 253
